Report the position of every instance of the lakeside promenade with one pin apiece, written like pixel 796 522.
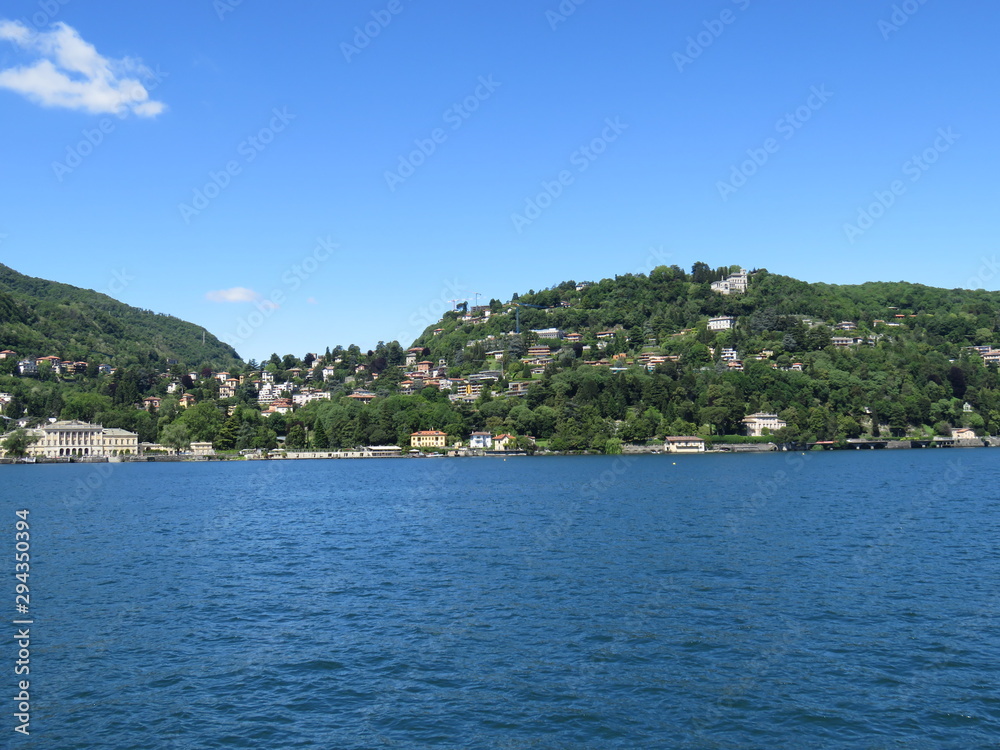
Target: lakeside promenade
pixel 396 452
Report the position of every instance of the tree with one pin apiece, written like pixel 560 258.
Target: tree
pixel 176 436
pixel 296 436
pixel 16 444
pixel 226 438
pixel 957 379
pixel 319 438
pixel 84 406
pixel 203 421
pixel 701 273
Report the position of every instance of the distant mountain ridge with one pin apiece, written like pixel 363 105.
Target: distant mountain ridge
pixel 41 317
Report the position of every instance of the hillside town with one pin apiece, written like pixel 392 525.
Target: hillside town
pixel 462 380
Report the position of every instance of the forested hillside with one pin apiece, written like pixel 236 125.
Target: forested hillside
pixel 41 318
pixel 595 365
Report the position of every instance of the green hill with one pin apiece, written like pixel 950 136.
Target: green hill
pixel 40 317
pixel 670 300
pixel 833 361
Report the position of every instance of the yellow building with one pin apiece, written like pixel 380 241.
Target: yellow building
pixel 81 439
pixel 428 439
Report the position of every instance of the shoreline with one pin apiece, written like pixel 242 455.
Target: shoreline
pixel 628 450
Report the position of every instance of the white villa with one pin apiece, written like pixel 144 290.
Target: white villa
pixel 74 438
pixel 757 423
pixel 482 440
pixel 548 333
pixel 723 323
pixel 734 283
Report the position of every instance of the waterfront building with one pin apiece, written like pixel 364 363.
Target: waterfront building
pixel 482 440
pixel 685 444
pixel 72 438
pixel 428 439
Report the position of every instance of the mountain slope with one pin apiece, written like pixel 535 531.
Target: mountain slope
pixel 669 300
pixel 40 317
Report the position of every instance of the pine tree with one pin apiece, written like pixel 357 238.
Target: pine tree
pixel 319 438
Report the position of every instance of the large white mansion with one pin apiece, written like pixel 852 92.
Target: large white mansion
pixel 74 438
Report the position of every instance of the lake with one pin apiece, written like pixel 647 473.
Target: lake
pixel 829 600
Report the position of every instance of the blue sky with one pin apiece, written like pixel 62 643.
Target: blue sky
pixel 308 174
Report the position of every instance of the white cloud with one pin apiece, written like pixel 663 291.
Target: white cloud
pixel 69 72
pixel 236 294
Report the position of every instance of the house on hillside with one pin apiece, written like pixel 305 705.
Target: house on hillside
pixel 548 333
pixel 756 424
pixel 723 323
pixel 518 387
pixel 734 283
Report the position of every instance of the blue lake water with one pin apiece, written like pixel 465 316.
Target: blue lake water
pixel 741 601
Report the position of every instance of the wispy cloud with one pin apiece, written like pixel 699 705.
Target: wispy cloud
pixel 236 294
pixel 69 72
